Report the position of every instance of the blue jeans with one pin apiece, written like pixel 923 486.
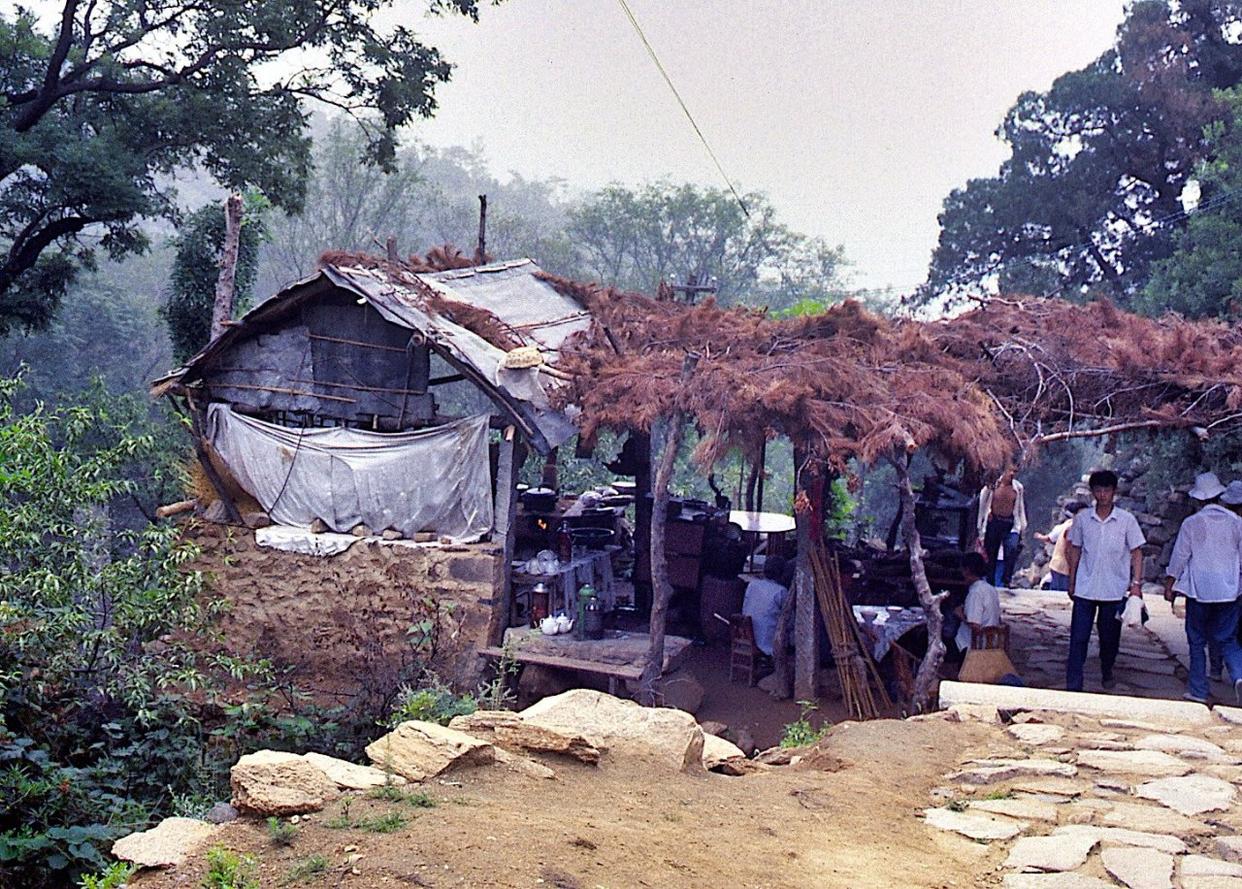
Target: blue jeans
pixel 1215 624
pixel 1107 618
pixel 1058 582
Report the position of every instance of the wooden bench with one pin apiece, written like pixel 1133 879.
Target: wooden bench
pixel 614 672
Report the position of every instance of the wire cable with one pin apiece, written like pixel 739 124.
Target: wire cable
pixel 690 117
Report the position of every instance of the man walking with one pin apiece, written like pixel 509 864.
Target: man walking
pixel 1105 565
pixel 1205 567
pixel 1002 519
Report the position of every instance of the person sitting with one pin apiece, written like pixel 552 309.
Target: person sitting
pixel 982 606
pixel 764 599
pixel 1058 566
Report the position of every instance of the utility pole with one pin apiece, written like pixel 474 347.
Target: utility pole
pixel 480 251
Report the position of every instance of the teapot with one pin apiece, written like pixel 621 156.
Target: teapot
pixel 563 623
pixel 549 626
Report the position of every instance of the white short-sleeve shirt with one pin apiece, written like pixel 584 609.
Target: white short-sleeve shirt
pixel 982 608
pixel 1104 565
pixel 1207 556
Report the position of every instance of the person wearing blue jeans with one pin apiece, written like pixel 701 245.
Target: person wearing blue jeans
pixel 1205 568
pixel 1105 554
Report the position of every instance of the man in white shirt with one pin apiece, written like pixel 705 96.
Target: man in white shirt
pixel 982 606
pixel 1105 556
pixel 763 602
pixel 1002 519
pixel 1205 568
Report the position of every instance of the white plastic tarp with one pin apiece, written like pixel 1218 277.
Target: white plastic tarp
pixel 433 480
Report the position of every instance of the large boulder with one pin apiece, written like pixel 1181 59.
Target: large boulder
pixel 421 750
pixel 506 729
pixel 350 776
pixel 717 751
pixel 167 844
pixel 623 728
pixel 269 782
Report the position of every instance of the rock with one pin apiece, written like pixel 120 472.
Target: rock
pixel 1139 725
pixel 1151 819
pixel 1203 866
pixel 717 750
pixel 1052 786
pixel 350 776
pixel 975 825
pixel 745 742
pixel 682 691
pixel 1139 868
pixel 256 520
pixel 391 534
pixel 1158 841
pixel 319 526
pixel 711 727
pixel 421 750
pixel 537 682
pixel 362 529
pixel 269 782
pixel 216 512
pixel 1183 745
pixel 1008 697
pixel 1190 795
pixel 1211 883
pixel 1055 881
pixel 973 713
pixel 1231 715
pixel 506 729
pixel 523 765
pixel 623 728
pixel 220 813
pixel 1229 848
pixel 1052 853
pixel 165 845
pixel 990 771
pixel 1026 809
pixel 1036 733
pixel 1151 763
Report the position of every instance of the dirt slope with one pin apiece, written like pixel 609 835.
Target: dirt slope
pixel 842 819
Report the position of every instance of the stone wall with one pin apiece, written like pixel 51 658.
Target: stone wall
pixel 344 621
pixel 1159 513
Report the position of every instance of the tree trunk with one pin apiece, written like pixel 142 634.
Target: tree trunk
pixel 222 310
pixel 926 681
pixel 662 590
pixel 810 524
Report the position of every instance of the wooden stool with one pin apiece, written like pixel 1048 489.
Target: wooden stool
pixel 986 638
pixel 743 653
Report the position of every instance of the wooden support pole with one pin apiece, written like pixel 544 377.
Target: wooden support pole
pixel 927 680
pixel 222 309
pixel 809 523
pixel 480 250
pixel 390 248
pixel 505 523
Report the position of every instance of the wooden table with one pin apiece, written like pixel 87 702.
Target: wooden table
pixel 771 525
pixel 619 655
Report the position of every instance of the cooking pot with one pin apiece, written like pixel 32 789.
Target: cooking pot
pixel 591 538
pixel 539 500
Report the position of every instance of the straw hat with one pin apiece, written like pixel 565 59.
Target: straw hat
pixel 1207 486
pixel 1233 494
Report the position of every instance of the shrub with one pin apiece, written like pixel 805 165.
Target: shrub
pixel 227 869
pixel 307 869
pixel 800 732
pixel 281 833
pixel 434 702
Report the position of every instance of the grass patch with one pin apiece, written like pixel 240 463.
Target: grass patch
pixel 227 869
pixel 307 869
pixel 281 833
pixel 419 799
pixel 1000 794
pixel 386 823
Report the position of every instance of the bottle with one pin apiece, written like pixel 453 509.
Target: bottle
pixel 593 617
pixel 564 545
pixel 584 595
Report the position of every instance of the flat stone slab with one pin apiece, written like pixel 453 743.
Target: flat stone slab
pixel 1159 841
pixel 1007 697
pixel 351 776
pixel 1183 745
pixel 1139 725
pixel 1203 866
pixel 1139 868
pixel 1051 786
pixel 975 825
pixel 1036 733
pixel 1025 809
pixel 1051 853
pixel 1229 848
pixel 1055 881
pixel 990 771
pixel 1231 715
pixel 1190 795
pixel 165 845
pixel 1137 816
pixel 1150 763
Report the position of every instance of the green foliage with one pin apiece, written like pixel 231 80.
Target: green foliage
pixel 114 876
pixel 434 702
pixel 308 869
pixel 161 92
pixel 419 799
pixel 800 732
pixel 1203 276
pixel 281 833
pixel 196 268
pixel 389 822
pixel 227 869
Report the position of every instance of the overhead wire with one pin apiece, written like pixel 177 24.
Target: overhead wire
pixel 629 13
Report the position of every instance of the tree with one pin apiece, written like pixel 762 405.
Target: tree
pixel 195 268
pixel 1090 195
pixel 635 239
pixel 1203 276
pixel 101 107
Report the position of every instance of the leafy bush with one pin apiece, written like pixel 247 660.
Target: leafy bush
pixel 800 732
pixel 114 876
pixel 227 869
pixel 435 702
pixel 281 833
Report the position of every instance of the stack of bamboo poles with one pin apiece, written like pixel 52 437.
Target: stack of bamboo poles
pixel 855 666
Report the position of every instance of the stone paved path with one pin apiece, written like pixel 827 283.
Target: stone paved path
pixel 1063 800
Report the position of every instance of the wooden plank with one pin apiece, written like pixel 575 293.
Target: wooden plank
pixel 621 671
pixel 504 519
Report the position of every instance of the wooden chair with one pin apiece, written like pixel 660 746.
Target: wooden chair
pixel 986 638
pixel 743 653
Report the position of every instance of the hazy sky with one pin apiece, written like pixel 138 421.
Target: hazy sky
pixel 857 118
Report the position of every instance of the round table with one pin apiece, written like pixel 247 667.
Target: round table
pixel 772 525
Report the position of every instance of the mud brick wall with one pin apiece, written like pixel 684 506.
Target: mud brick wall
pixel 343 620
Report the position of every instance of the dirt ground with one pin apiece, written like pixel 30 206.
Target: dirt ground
pixel 843 818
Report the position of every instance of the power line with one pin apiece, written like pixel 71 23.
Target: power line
pixel 690 117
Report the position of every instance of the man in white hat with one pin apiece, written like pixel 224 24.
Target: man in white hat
pixel 1206 568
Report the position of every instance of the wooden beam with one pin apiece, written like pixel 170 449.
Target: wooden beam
pixel 806 630
pixel 504 520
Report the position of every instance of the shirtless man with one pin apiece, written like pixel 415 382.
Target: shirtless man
pixel 1002 519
